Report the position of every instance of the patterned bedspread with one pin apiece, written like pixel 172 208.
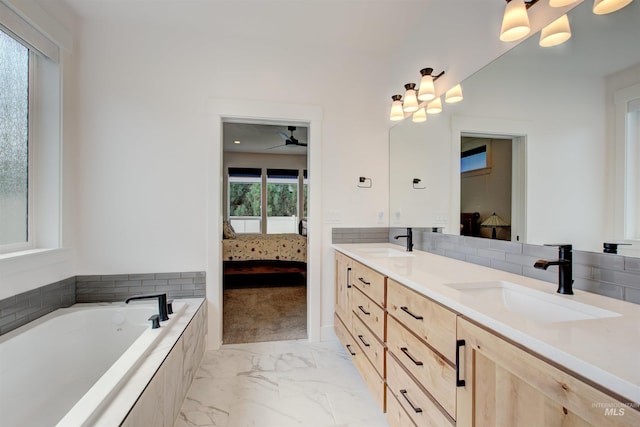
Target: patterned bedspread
pixel 282 247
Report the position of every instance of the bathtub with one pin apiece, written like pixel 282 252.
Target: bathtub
pixel 67 367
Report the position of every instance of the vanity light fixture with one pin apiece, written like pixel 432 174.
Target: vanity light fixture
pixel 556 33
pixel 419 116
pixel 515 22
pixel 427 90
pixel 602 7
pixel 396 108
pixel 410 101
pixel 435 106
pixel 561 3
pixel 454 95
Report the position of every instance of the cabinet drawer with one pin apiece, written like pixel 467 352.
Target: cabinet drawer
pixel 412 398
pixel 370 282
pixel 369 344
pixel 435 374
pixel 374 382
pixel 370 313
pixel 430 321
pixel 396 415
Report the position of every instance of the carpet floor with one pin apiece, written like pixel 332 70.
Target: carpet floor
pixel 264 311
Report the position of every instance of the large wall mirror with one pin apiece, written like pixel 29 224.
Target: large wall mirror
pixel 557 107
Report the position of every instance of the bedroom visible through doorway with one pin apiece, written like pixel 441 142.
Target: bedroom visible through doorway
pixel 264 245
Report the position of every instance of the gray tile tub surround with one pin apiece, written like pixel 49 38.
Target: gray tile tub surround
pixel 118 287
pixel 20 309
pixel 610 275
pixel 360 235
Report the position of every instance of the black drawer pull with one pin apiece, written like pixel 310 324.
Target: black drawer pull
pixel 404 394
pixel 406 310
pixel 364 281
pixel 405 350
pixel 459 382
pixel 348 277
pixel 366 344
pixel 364 311
pixel 350 351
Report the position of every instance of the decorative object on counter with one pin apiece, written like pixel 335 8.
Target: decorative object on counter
pixel 416 181
pixel 612 248
pixel 565 270
pixel 494 221
pixel 363 182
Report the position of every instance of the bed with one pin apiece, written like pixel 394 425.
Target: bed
pixel 265 247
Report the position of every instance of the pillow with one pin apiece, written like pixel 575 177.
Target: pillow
pixel 302 227
pixel 227 230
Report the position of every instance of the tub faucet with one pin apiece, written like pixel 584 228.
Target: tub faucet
pixel 409 237
pixel 162 303
pixel 565 270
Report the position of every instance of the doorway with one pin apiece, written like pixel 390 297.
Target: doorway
pixel 264 249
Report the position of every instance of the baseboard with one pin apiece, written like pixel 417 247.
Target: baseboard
pixel 327 333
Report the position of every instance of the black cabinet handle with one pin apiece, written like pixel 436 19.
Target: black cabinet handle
pixel 348 277
pixel 404 394
pixel 364 281
pixel 406 310
pixel 405 350
pixel 459 382
pixel 366 344
pixel 363 310
pixel 350 351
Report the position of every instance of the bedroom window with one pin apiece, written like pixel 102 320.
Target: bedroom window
pixel 245 194
pixel 282 201
pixel 473 159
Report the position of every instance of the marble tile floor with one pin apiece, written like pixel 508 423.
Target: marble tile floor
pixel 279 384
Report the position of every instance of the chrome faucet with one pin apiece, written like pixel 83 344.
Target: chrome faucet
pixel 162 303
pixel 565 270
pixel 409 237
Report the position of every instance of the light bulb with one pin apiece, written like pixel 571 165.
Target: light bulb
pixel 556 33
pixel 515 23
pixel 454 95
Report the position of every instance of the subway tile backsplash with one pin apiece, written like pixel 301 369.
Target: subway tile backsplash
pixel 611 275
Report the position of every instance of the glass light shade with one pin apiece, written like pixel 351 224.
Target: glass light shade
pixel 515 23
pixel 427 90
pixel 435 106
pixel 454 95
pixel 410 101
pixel 556 33
pixel 602 7
pixel 396 110
pixel 561 3
pixel 419 116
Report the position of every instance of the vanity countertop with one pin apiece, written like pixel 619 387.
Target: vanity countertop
pixel 605 350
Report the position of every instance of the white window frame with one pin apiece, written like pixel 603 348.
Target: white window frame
pixel 627 173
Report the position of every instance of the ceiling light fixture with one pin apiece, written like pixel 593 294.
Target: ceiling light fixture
pixel 556 33
pixel 454 95
pixel 602 7
pixel 515 22
pixel 396 108
pixel 410 101
pixel 427 90
pixel 420 116
pixel 435 106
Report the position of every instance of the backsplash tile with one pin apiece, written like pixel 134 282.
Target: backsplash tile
pixel 360 235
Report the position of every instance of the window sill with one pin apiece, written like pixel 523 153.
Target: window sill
pixel 32 259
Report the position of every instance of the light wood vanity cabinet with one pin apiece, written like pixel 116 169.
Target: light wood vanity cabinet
pixel 505 385
pixel 344 270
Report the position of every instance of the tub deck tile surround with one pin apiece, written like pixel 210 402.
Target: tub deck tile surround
pixel 279 384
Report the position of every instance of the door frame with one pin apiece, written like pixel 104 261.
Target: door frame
pixel 261 111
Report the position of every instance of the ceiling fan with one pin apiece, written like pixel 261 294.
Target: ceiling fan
pixel 289 139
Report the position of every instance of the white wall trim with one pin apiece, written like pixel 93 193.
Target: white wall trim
pixel 248 110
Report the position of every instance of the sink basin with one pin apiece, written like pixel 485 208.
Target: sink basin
pixel 386 253
pixel 529 303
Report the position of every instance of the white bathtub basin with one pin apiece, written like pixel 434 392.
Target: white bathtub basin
pixel 530 304
pixel 386 253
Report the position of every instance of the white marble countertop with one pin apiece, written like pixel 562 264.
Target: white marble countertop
pixel 605 351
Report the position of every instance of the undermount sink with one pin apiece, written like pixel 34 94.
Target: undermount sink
pixel 529 303
pixel 386 252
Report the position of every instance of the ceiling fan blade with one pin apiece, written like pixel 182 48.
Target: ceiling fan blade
pixel 276 146
pixel 283 135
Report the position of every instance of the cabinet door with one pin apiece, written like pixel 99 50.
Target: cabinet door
pixel 343 288
pixel 506 386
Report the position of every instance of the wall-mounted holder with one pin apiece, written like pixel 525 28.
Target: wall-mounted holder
pixel 612 248
pixel 363 182
pixel 416 181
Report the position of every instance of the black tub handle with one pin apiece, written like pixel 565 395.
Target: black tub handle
pixel 404 394
pixel 406 310
pixel 459 382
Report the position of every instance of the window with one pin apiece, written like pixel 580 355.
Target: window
pixel 473 159
pixel 14 143
pixel 282 201
pixel 245 195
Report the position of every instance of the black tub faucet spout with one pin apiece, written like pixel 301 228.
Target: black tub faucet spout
pixel 162 303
